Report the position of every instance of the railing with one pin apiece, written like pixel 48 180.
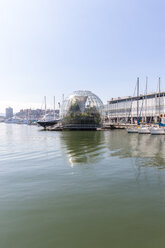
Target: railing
pixel 81 126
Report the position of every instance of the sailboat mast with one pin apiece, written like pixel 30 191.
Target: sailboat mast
pixel 54 106
pixel 62 107
pixel 146 100
pixel 137 99
pixel 45 104
pixel 159 97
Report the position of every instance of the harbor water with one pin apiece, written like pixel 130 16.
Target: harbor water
pixel 82 189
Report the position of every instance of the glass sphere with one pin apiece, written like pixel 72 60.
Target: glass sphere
pixel 84 99
pixel 82 108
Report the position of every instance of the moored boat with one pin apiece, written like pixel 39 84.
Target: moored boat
pixel 144 130
pixel 47 121
pixel 157 130
pixel 132 130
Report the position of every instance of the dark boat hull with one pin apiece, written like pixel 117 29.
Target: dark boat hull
pixel 47 123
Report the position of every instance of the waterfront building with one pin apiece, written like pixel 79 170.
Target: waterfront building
pixel 9 113
pixel 148 108
pixel 35 114
pixel 2 118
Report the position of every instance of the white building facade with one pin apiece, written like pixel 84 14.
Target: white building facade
pixel 146 108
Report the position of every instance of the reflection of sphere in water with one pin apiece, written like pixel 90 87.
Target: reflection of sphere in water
pixel 83 147
pixel 81 101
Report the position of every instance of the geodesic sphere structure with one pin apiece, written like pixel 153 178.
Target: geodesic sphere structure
pixel 84 99
pixel 82 107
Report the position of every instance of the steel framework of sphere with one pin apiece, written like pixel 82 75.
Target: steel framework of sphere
pixel 85 99
pixel 82 109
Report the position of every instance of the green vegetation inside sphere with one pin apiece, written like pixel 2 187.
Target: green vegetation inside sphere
pixel 74 116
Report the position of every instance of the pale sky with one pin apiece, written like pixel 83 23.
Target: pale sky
pixel 54 47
